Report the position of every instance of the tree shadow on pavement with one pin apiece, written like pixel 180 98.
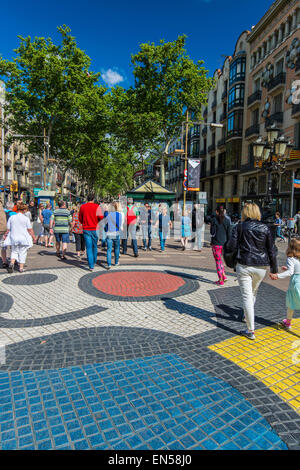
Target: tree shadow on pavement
pixel 196 312
pixel 190 276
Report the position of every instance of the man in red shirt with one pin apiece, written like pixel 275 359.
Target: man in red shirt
pixel 89 215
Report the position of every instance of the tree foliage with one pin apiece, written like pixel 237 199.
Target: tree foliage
pixel 104 135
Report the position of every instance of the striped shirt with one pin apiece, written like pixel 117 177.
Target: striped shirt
pixel 61 218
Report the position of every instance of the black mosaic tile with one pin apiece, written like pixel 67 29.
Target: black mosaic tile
pixel 31 279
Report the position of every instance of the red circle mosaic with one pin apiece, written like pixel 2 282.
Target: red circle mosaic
pixel 137 283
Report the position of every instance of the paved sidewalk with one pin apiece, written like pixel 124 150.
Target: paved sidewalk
pixel 145 356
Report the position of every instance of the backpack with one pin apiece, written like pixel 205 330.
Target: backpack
pixel 3 224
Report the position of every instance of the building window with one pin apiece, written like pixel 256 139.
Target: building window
pixel 279 67
pixel 262 181
pixel 237 70
pixel 236 96
pixel 286 182
pixel 255 117
pixel 252 186
pixel 235 123
pixel 257 84
pixel 297 135
pixel 235 184
pixel 277 103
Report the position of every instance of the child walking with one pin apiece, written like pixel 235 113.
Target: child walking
pixel 292 269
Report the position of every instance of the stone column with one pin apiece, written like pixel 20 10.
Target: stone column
pixel 286 29
pixel 294 22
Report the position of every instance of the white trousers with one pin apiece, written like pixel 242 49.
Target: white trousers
pixel 249 278
pixel 19 253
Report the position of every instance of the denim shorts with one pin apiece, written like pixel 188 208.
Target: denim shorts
pixel 62 237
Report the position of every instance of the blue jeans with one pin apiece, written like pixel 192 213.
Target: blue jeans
pixel 91 240
pixel 113 241
pixel 147 233
pixel 131 231
pixel 162 239
pixel 279 233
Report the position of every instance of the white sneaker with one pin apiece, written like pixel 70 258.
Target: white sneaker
pixel 248 334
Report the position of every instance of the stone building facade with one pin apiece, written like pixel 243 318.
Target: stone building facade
pixel 272 69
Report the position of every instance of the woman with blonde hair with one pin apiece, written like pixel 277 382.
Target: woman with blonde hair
pixel 254 244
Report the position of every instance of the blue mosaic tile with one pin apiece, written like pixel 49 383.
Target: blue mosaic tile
pixel 9 445
pixel 90 430
pixel 173 406
pixel 81 445
pixel 42 435
pixel 94 440
pixel 61 440
pixel 76 435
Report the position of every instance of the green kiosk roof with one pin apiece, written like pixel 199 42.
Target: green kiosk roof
pixel 150 190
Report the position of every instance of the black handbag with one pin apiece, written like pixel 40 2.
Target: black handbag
pixel 230 257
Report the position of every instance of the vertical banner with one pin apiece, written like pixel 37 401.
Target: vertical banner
pixel 193 174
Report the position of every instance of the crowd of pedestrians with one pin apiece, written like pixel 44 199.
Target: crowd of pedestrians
pixel 250 241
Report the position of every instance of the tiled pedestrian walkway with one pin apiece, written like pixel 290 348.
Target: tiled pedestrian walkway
pixel 88 365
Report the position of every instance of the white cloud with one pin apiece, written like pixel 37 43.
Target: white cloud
pixel 112 77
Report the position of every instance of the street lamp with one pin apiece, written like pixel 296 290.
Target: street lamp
pixel 271 155
pixel 212 125
pixel 18 170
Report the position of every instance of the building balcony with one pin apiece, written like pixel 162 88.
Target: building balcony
pixel 233 167
pixel 247 167
pixel 239 103
pixel 274 118
pixel 222 142
pixel 238 78
pixel 235 133
pixel 211 148
pixel 252 130
pixel 279 80
pixel 256 96
pixel 296 111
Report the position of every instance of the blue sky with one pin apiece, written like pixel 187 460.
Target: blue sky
pixel 110 32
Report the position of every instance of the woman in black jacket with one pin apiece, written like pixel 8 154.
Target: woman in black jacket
pixel 256 251
pixel 220 233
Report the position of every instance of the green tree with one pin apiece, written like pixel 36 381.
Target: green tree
pixel 167 83
pixel 50 87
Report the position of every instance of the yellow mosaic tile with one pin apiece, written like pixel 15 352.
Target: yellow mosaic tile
pixel 273 358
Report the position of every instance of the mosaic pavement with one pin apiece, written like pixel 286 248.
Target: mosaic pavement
pixel 89 365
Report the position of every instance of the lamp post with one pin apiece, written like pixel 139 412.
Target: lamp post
pixel 212 125
pixel 271 155
pixel 18 170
